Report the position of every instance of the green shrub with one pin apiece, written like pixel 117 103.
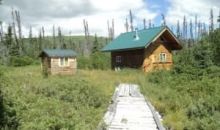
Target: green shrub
pixel 83 62
pixel 97 60
pixel 8 115
pixel 100 61
pixel 20 61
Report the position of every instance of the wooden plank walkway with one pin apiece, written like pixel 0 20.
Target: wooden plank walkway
pixel 129 110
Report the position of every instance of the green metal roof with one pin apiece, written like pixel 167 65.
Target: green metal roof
pixel 59 53
pixel 127 40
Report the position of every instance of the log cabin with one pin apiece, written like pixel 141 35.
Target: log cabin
pixel 148 49
pixel 58 61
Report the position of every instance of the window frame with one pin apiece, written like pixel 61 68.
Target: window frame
pixel 162 57
pixel 118 59
pixel 63 61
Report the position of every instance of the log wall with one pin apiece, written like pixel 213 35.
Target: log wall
pixel 130 58
pixel 152 57
pixel 63 70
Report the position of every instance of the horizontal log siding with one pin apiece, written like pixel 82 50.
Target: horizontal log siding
pixel 65 70
pixel 131 58
pixel 152 57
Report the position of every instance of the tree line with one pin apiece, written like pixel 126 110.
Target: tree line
pixel 14 45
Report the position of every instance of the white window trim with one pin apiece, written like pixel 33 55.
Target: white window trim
pixel 64 61
pixel 118 59
pixel 161 59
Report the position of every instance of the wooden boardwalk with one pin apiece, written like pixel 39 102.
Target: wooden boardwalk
pixel 130 111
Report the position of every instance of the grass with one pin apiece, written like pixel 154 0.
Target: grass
pixel 80 101
pixel 61 102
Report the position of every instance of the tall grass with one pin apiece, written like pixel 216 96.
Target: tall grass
pixel 61 102
pixel 80 101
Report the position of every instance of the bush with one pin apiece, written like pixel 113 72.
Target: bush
pixel 192 87
pixel 8 117
pixel 100 61
pixel 83 62
pixel 97 60
pixel 20 61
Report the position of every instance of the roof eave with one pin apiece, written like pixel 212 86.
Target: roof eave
pixel 178 42
pixel 124 49
pixel 161 32
pixel 156 37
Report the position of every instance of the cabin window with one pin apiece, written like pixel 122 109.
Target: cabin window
pixel 163 57
pixel 118 59
pixel 64 61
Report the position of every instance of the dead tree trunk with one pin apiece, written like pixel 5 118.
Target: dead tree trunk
pixel 1 32
pixel 86 45
pixel 144 22
pixel 18 20
pixel 54 36
pixel 131 21
pixel 126 25
pixel 14 28
pixel 150 24
pixel 111 30
pixel 163 20
pixel 21 43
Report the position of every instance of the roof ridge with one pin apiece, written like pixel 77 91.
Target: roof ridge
pixel 144 29
pixel 125 40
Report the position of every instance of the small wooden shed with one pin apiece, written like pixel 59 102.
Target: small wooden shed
pixel 59 61
pixel 148 49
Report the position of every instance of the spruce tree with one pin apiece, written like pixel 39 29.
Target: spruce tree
pixel 60 36
pixel 178 30
pixel 211 26
pixel 191 33
pixel 40 41
pixel 13 49
pixel 218 20
pixel 184 28
pixel 195 28
pixel 95 44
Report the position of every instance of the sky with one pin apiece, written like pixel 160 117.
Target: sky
pixel 69 14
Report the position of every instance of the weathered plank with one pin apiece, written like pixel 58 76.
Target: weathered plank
pixel 129 111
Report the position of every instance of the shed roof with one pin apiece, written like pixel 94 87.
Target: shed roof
pixel 126 41
pixel 58 53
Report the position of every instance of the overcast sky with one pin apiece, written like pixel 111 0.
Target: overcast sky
pixel 69 14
